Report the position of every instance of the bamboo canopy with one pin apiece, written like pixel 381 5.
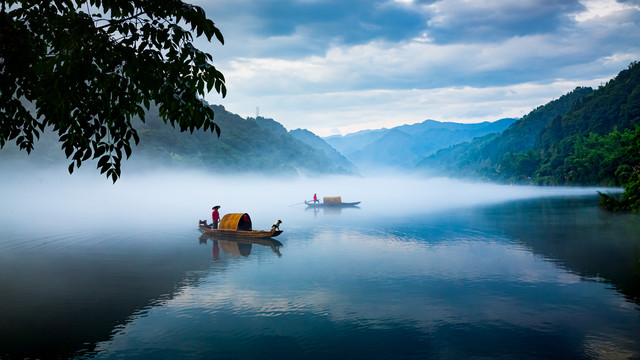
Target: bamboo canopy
pixel 332 199
pixel 235 221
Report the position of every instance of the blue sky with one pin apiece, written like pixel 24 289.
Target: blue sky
pixel 339 66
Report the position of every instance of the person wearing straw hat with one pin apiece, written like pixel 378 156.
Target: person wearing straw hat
pixel 215 216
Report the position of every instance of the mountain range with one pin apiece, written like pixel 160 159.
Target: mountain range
pixel 403 146
pixel 246 145
pixel 583 137
pixel 263 145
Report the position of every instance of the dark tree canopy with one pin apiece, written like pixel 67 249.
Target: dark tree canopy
pixel 90 67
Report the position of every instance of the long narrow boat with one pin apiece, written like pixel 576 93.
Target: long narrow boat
pixel 331 201
pixel 341 204
pixel 236 225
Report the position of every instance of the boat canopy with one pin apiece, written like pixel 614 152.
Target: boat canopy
pixel 235 221
pixel 332 199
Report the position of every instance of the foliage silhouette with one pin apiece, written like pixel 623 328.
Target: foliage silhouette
pixel 91 67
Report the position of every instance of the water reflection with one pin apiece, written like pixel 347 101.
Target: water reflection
pixel 575 235
pixel 455 285
pixel 61 294
pixel 504 281
pixel 329 210
pixel 237 246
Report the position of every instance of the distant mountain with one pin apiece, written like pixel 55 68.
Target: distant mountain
pixel 585 137
pixel 350 143
pixel 245 145
pixel 318 143
pixel 403 146
pixel 395 148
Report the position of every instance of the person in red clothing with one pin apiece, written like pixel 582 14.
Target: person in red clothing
pixel 315 198
pixel 215 216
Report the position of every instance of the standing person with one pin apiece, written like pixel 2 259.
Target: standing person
pixel 315 198
pixel 215 216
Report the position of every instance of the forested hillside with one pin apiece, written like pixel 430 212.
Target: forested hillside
pixel 582 138
pixel 245 145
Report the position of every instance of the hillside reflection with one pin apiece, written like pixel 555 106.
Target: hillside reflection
pixel 576 235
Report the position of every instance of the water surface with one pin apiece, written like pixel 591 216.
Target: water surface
pixel 535 274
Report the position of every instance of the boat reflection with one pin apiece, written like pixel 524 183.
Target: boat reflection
pixel 329 210
pixel 238 246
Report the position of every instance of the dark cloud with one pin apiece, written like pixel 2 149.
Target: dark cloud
pixel 321 23
pixel 310 27
pixel 354 21
pixel 458 22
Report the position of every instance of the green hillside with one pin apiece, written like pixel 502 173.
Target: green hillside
pixel 593 136
pixel 584 138
pixel 245 145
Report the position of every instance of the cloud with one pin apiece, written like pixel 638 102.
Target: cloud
pixel 289 28
pixel 496 20
pixel 419 64
pixel 604 8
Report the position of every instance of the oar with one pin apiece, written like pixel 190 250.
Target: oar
pixel 300 203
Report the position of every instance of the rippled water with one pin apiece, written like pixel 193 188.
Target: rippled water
pixel 541 277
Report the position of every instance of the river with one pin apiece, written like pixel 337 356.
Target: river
pixel 423 268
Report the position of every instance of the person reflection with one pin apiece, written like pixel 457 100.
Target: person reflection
pixel 216 250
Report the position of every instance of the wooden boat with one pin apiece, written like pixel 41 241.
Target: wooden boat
pixel 331 201
pixel 236 225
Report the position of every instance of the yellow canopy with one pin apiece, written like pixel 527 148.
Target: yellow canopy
pixel 235 221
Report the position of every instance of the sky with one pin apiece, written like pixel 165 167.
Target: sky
pixel 341 66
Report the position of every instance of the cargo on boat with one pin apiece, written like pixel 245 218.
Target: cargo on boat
pixel 236 225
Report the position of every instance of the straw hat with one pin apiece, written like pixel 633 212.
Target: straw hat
pixel 216 207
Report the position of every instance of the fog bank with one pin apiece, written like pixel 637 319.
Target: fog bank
pixel 61 201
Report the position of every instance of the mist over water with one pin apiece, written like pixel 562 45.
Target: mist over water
pixel 56 200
